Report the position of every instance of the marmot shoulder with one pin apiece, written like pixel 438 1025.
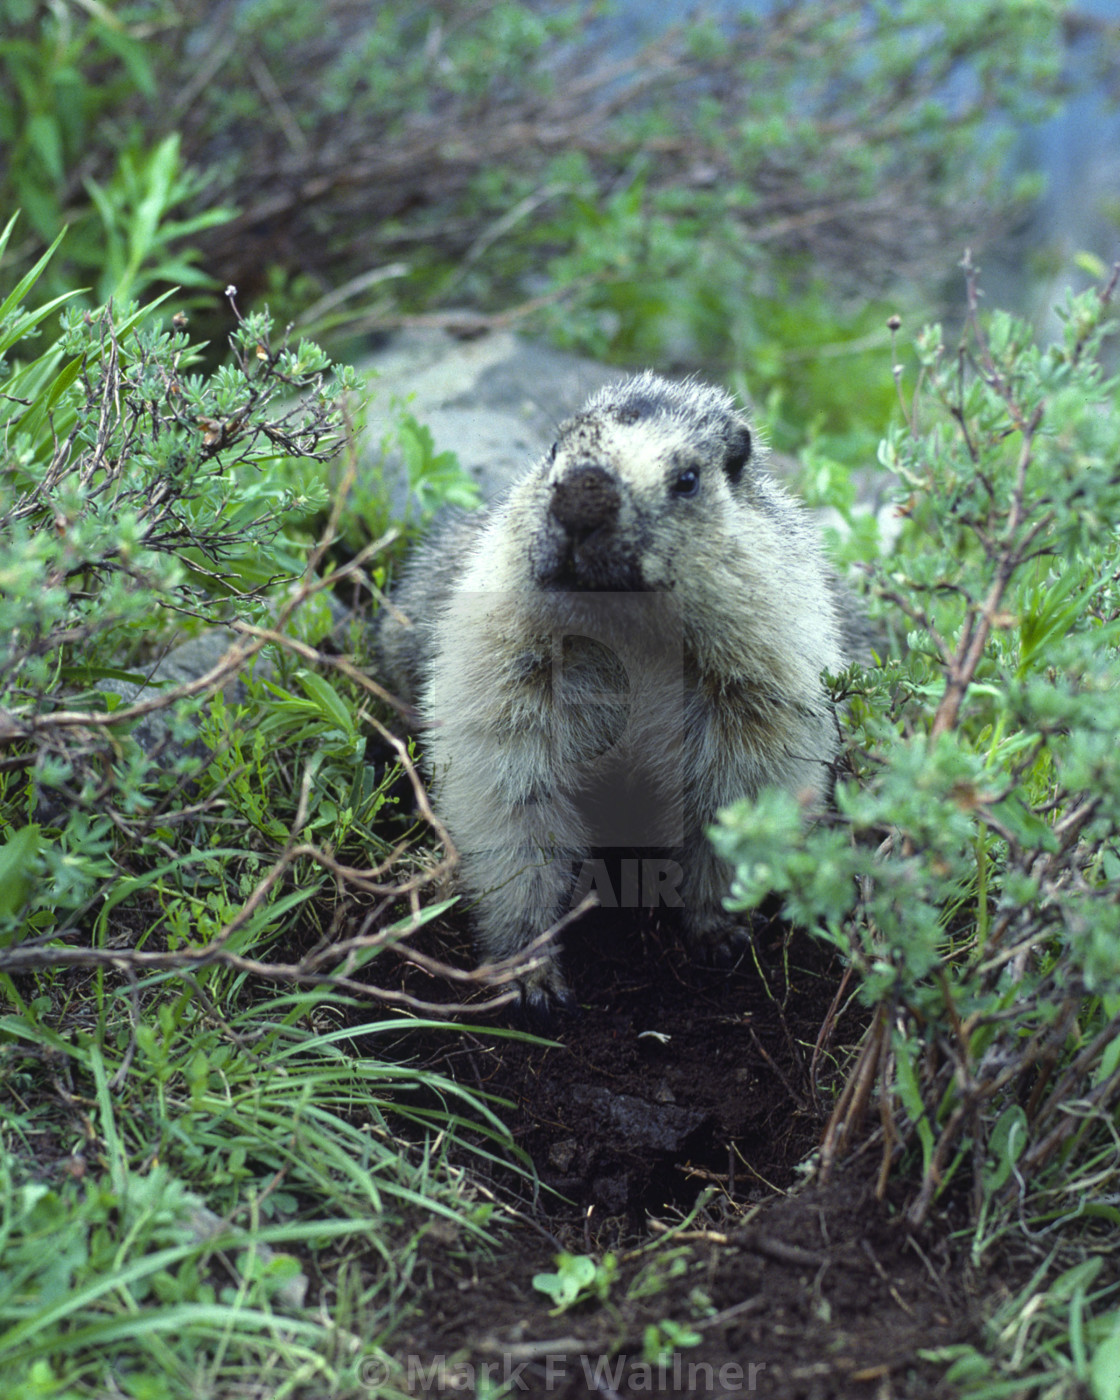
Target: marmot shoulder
pixel 629 640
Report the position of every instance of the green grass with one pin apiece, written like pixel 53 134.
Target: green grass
pixel 231 1191
pixel 220 1174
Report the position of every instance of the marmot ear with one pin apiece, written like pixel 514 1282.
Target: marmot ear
pixel 738 454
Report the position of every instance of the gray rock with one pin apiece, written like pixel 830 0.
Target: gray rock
pixel 183 664
pixel 495 401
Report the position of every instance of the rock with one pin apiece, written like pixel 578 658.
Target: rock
pixel 494 401
pixel 181 665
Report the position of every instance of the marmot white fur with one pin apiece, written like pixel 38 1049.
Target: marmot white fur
pixel 630 640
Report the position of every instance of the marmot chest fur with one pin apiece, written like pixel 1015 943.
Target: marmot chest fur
pixel 630 640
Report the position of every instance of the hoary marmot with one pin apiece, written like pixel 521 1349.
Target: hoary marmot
pixel 629 640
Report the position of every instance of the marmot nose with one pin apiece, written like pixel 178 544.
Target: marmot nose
pixel 584 500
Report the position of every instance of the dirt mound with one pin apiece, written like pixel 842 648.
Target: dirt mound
pixel 672 1075
pixel 672 1079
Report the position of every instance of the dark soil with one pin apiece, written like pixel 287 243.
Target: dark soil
pixel 672 1079
pixel 820 1295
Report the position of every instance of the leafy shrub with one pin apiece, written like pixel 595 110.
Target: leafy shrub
pixel 971 869
pixel 143 501
pixel 980 829
pixel 155 840
pixel 671 203
pixel 138 499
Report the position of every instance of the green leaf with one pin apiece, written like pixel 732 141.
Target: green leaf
pixel 45 139
pixel 1005 1145
pixel 6 235
pixel 162 166
pixel 16 296
pixel 334 708
pixel 18 868
pixel 1029 830
pixel 132 54
pixel 575 1273
pixel 1104 1368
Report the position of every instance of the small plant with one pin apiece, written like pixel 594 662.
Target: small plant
pixel 198 1188
pixel 578 1279
pixel 660 1340
pixel 139 243
pixel 721 197
pixel 78 154
pixel 425 481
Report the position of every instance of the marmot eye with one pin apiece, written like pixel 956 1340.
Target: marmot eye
pixel 552 451
pixel 687 483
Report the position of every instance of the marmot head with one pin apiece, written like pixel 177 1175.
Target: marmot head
pixel 645 466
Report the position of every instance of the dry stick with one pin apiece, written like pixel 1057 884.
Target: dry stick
pixel 318 658
pixel 976 631
pixel 517 965
pixel 23 958
pixel 16 960
pixel 919 616
pixel 108 393
pixel 368 880
pixel 884 1075
pixel 231 661
pixel 851 1106
pixel 825 1034
pixel 775 1070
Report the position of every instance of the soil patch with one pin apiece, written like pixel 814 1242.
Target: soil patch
pixel 820 1295
pixel 673 1079
pixel 671 1076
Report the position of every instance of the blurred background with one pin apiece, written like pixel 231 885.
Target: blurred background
pixel 749 190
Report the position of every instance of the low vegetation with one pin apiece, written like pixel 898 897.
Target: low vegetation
pixel 723 194
pixel 969 872
pixel 222 1171
pixel 185 1135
